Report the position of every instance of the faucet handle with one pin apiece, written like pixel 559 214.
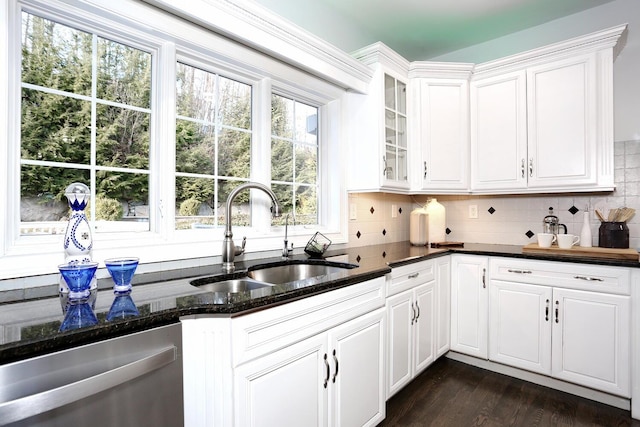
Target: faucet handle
pixel 239 250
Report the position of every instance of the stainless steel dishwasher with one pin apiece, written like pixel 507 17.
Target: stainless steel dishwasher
pixel 135 380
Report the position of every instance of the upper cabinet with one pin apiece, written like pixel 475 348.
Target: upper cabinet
pixel 441 126
pixel 542 121
pixel 536 122
pixel 378 125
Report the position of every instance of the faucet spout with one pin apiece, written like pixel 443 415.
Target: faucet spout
pixel 229 249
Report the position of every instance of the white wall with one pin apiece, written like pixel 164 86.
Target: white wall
pixel 626 67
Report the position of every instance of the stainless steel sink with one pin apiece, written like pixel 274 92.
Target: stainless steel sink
pixel 229 286
pixel 292 272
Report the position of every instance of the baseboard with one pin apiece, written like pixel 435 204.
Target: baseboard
pixel 587 393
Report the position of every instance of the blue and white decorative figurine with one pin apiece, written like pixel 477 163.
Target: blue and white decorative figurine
pixel 78 241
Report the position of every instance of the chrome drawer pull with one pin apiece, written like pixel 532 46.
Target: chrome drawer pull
pixel 520 271
pixel 413 275
pixel 326 364
pixel 590 279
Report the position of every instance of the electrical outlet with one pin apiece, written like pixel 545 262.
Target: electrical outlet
pixel 394 211
pixel 473 211
pixel 353 211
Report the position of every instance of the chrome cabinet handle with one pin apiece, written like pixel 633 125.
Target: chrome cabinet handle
pixel 418 309
pixel 425 170
pixel 520 271
pixel 413 275
pixel 590 279
pixel 326 364
pixel 413 316
pixel 546 311
pixel 335 360
pixel 522 167
pixel 531 167
pixel 557 306
pixel 484 280
pixel 28 406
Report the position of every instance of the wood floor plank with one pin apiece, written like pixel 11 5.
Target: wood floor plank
pixel 451 393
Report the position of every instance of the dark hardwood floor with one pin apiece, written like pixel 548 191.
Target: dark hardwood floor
pixel 451 393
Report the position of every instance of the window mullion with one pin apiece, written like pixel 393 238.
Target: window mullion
pixel 162 192
pixel 261 154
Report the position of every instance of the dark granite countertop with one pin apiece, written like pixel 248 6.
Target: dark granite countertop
pixel 30 328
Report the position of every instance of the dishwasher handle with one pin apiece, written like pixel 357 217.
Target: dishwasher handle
pixel 28 406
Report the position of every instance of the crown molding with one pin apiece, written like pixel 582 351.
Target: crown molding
pixel 380 53
pixel 605 39
pixel 441 70
pixel 255 26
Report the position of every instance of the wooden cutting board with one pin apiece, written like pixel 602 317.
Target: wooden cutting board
pixel 579 251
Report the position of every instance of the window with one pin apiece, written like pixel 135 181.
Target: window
pixel 161 118
pixel 294 157
pixel 85 116
pixel 213 146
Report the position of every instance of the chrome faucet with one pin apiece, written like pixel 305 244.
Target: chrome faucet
pixel 285 250
pixel 229 249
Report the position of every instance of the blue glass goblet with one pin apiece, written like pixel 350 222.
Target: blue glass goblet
pixel 78 278
pixel 122 270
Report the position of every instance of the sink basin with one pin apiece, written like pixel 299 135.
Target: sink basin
pixel 228 286
pixel 291 272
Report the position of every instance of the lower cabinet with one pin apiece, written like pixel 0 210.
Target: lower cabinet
pixel 317 361
pixel 469 304
pixel 411 333
pixel 574 335
pixel 418 319
pixel 335 378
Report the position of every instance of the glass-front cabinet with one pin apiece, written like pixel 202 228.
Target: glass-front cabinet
pixel 377 124
pixel 395 129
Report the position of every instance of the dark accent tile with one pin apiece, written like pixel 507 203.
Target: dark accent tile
pixel 529 234
pixel 448 230
pixel 358 258
pixel 384 254
pixel 372 210
pixel 491 210
pixel 574 210
pixel 358 234
pixel 384 232
pixel 400 211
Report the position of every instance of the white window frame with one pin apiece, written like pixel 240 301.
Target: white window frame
pixel 174 39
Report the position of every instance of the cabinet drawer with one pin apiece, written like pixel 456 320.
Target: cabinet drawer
pixel 595 278
pixel 408 276
pixel 266 331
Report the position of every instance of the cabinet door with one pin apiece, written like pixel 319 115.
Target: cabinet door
pixel 444 136
pixel 499 132
pixel 443 305
pixel 400 315
pixel 395 159
pixel 591 335
pixel 356 389
pixel 562 122
pixel 469 305
pixel 424 326
pixel 285 388
pixel 520 325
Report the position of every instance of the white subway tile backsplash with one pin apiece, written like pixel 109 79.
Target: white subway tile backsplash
pixel 513 215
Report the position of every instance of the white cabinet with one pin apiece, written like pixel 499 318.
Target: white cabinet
pixel 443 304
pixel 411 332
pixel 580 336
pixel 469 305
pixel 542 120
pixel 378 124
pixel 499 132
pixel 334 378
pixel 418 319
pixel 270 367
pixel 442 128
